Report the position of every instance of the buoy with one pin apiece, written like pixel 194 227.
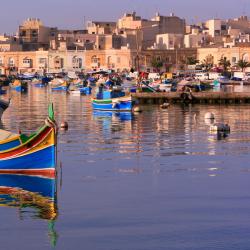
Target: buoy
pixel 220 127
pixel 137 109
pixel 165 105
pixel 64 125
pixel 209 115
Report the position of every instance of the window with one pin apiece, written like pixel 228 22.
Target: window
pixel 94 59
pixel 26 61
pixel 42 60
pixel 1 61
pixel 11 62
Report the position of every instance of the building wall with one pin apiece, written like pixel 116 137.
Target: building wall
pixel 108 59
pixel 233 54
pixel 169 41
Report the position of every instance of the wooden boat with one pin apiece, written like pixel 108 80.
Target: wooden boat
pixel 62 87
pixel 19 86
pixel 32 154
pixel 81 91
pixel 112 100
pixel 36 194
pixel 38 83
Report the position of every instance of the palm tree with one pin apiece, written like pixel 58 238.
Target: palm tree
pixel 208 62
pixel 224 63
pixel 243 64
pixel 191 61
pixel 157 64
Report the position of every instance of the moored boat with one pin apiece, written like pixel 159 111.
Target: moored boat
pixel 38 83
pixel 19 86
pixel 112 99
pixel 34 154
pixel 62 87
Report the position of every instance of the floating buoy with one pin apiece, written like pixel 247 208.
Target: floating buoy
pixel 137 109
pixel 165 105
pixel 64 125
pixel 220 127
pixel 209 115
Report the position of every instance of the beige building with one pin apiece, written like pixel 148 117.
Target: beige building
pixel 170 24
pixel 109 59
pixel 233 54
pixel 169 41
pixel 34 35
pixel 12 62
pixel 101 28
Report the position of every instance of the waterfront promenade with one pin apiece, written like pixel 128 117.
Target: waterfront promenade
pixel 196 97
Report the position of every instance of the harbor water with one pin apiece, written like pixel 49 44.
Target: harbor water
pixel 148 181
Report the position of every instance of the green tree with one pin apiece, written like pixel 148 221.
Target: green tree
pixel 243 64
pixel 157 64
pixel 191 60
pixel 224 63
pixel 207 63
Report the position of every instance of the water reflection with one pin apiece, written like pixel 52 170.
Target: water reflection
pixel 33 196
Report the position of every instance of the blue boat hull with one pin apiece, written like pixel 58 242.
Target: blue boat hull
pixel 20 88
pixel 85 90
pixel 61 88
pixel 122 106
pixel 44 159
pixel 39 85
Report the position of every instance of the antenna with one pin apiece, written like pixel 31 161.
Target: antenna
pixel 84 22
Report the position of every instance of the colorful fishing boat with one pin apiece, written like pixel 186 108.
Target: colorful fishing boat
pixel 38 83
pixel 33 154
pixel 19 86
pixel 112 100
pixel 62 87
pixel 36 194
pixel 81 91
pixel 3 106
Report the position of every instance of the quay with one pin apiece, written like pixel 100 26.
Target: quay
pixel 194 97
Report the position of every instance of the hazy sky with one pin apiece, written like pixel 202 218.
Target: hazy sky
pixel 71 13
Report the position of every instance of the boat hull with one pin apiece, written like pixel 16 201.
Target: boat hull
pixel 39 85
pixel 60 88
pixel 117 104
pixel 20 88
pixel 36 155
pixel 42 160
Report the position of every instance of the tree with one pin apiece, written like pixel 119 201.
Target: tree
pixel 157 64
pixel 191 61
pixel 207 63
pixel 243 64
pixel 224 63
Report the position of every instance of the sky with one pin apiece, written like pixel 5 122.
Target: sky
pixel 72 13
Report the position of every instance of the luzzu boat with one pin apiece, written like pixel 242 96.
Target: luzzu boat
pixel 19 86
pixel 38 83
pixel 34 154
pixel 112 100
pixel 62 87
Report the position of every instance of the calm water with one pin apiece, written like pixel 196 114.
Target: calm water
pixel 155 180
